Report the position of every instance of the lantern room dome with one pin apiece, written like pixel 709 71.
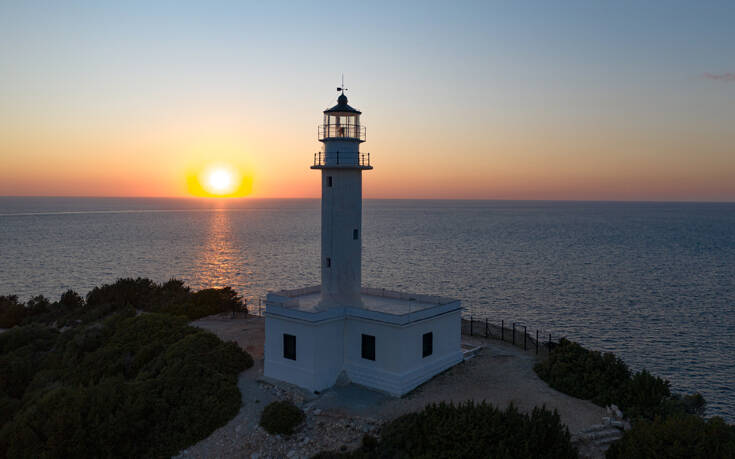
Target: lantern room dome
pixel 342 107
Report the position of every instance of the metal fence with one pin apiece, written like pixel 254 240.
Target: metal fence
pixel 515 333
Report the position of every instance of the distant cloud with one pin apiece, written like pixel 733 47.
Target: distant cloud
pixel 720 77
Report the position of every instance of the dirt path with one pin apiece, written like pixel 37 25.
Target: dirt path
pixel 500 374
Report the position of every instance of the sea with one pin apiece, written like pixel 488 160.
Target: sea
pixel 652 282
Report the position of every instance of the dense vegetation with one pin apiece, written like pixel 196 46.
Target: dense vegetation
pixel 171 297
pixel 113 382
pixel 680 436
pixel 469 430
pixel 605 379
pixel 663 424
pixel 281 417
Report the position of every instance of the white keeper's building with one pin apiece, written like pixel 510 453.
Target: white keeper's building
pixel 385 340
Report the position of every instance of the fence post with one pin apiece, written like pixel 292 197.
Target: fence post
pixel 514 332
pixel 502 330
pixel 486 327
pixel 525 334
pixel 537 341
pixel 549 345
pixel 470 325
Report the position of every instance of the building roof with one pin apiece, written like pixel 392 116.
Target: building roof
pixel 377 304
pixel 342 107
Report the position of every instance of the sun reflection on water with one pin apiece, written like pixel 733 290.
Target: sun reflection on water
pixel 220 262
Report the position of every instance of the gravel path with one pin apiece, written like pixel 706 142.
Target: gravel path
pixel 500 373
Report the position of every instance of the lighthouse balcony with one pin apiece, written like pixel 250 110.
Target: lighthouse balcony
pixel 342 132
pixel 346 160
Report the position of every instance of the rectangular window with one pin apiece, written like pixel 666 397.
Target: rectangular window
pixel 355 234
pixel 329 181
pixel 428 344
pixel 329 262
pixel 368 347
pixel 289 347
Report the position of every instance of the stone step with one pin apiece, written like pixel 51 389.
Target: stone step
pixel 469 353
pixel 593 428
pixel 603 435
pixel 605 443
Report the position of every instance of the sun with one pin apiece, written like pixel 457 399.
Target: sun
pixel 220 181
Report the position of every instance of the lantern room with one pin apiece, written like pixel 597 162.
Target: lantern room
pixel 342 122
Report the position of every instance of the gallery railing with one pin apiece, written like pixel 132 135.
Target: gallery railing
pixel 336 158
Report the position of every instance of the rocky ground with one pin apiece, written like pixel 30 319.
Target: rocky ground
pixel 338 418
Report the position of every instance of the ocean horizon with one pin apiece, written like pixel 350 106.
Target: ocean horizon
pixel 653 282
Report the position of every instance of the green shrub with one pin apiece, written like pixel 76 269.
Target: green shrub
pixel 468 430
pixel 281 417
pixel 12 312
pixel 585 374
pixel 644 395
pixel 22 353
pixel 71 301
pixel 679 436
pixel 129 386
pixel 605 379
pixel 171 297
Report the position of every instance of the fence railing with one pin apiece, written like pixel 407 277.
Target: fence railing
pixel 512 332
pixel 334 158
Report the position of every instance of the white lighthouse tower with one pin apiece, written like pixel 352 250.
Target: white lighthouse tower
pixel 386 340
pixel 341 164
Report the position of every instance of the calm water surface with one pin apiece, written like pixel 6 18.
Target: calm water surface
pixel 653 282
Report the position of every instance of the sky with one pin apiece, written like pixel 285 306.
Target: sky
pixel 489 100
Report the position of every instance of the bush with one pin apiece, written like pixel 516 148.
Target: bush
pixel 585 374
pixel 605 379
pixel 130 386
pixel 685 436
pixel 12 312
pixel 468 430
pixel 171 297
pixel 71 301
pixel 281 418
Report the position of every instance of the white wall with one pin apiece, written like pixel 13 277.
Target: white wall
pixel 325 348
pixel 341 215
pixel 399 366
pixel 318 352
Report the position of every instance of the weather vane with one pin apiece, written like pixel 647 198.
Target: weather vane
pixel 342 87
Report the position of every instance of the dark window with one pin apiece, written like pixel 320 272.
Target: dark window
pixel 329 262
pixel 368 347
pixel 355 233
pixel 428 344
pixel 289 346
pixel 329 181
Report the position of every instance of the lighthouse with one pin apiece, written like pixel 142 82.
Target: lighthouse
pixel 382 339
pixel 341 164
